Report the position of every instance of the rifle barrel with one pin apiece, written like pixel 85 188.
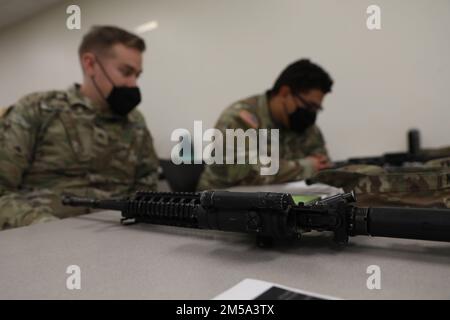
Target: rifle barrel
pixel 407 223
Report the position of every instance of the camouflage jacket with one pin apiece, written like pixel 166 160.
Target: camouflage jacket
pixel 426 186
pixel 56 143
pixel 293 148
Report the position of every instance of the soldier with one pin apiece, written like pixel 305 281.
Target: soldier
pixel 291 106
pixel 86 141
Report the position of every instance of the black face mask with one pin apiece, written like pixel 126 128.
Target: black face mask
pixel 121 100
pixel 303 117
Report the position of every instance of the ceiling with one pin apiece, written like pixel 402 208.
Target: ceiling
pixel 12 11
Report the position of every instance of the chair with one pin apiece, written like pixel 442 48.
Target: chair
pixel 182 177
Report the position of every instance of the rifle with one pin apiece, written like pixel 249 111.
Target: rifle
pixel 273 216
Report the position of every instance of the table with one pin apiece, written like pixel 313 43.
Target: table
pixel 158 262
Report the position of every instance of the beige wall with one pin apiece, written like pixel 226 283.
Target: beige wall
pixel 208 53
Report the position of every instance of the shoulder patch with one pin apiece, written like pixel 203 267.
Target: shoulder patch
pixel 249 118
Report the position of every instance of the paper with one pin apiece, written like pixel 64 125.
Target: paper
pixel 252 289
pixel 296 187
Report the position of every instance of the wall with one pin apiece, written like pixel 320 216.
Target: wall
pixel 205 54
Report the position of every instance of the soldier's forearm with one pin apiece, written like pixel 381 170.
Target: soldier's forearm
pixel 148 182
pixel 16 211
pixel 143 187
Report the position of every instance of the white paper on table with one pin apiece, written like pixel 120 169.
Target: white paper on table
pixel 250 289
pixel 296 187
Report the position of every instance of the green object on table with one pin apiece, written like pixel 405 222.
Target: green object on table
pixel 304 198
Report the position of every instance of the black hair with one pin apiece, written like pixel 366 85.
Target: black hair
pixel 303 75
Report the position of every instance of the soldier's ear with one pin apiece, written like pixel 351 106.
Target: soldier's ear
pixel 88 63
pixel 284 91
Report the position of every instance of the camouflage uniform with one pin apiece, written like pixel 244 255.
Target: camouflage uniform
pixel 293 148
pixel 427 186
pixel 441 154
pixel 56 143
pixel 442 162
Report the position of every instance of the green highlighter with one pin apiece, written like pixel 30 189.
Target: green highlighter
pixel 304 198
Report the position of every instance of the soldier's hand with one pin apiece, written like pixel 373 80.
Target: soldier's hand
pixel 320 162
